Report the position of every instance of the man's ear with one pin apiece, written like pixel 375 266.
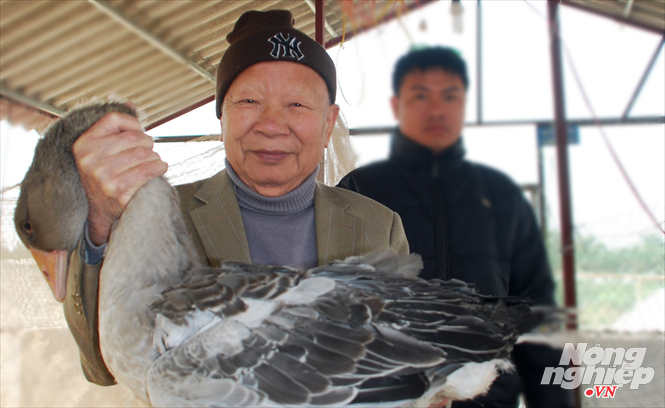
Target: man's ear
pixel 394 103
pixel 221 130
pixel 333 113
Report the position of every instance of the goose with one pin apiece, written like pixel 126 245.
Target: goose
pixel 364 331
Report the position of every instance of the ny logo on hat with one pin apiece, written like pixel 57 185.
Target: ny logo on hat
pixel 281 45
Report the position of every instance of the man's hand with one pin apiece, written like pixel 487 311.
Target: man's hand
pixel 114 159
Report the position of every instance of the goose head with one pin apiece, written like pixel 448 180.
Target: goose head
pixel 52 207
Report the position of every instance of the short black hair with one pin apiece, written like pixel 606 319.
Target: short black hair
pixel 444 58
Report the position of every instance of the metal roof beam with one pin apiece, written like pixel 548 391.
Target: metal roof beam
pixel 152 39
pixel 31 102
pixel 329 28
pixel 643 80
pixel 645 120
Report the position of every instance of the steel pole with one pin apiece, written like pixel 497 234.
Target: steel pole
pixel 320 22
pixel 567 249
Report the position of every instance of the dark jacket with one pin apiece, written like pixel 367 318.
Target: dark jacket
pixel 469 222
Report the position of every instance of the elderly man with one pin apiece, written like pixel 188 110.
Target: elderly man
pixel 467 221
pixel 275 98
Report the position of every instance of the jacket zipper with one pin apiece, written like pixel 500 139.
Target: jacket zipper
pixel 441 234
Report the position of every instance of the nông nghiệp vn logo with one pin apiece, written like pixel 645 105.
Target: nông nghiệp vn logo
pixel 607 368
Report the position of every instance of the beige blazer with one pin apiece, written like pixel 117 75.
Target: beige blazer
pixel 346 224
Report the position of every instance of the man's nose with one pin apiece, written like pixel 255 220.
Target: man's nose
pixel 437 107
pixel 272 122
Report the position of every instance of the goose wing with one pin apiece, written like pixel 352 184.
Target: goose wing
pixel 449 314
pixel 347 333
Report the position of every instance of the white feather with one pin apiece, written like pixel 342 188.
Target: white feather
pixel 458 386
pixel 307 291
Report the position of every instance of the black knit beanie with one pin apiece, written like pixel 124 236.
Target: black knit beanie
pixel 270 36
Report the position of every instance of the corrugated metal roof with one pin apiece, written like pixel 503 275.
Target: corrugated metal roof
pixel 162 55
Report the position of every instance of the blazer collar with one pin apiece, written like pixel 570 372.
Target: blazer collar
pixel 219 223
pixel 339 232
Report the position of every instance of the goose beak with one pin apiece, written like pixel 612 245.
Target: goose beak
pixel 54 268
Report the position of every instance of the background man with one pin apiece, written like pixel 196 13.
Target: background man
pixel 466 220
pixel 275 98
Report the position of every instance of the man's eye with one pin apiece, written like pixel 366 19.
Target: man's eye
pixel 297 104
pixel 248 100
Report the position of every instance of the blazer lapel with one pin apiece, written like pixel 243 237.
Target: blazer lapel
pixel 339 233
pixel 219 223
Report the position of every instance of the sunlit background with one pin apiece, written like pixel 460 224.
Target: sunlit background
pixel 619 251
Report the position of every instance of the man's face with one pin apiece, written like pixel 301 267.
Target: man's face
pixel 430 108
pixel 276 121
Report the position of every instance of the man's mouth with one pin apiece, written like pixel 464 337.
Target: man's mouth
pixel 271 155
pixel 436 129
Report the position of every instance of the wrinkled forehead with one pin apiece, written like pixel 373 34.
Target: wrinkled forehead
pixel 282 77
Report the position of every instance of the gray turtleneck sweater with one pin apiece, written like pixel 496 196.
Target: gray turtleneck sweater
pixel 280 230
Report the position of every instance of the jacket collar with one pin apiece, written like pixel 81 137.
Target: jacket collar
pixel 219 223
pixel 416 156
pixel 339 232
pixel 222 232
